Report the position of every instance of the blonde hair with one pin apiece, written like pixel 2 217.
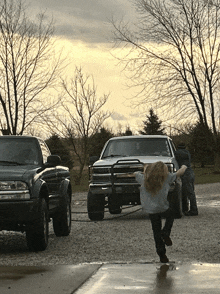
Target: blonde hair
pixel 155 175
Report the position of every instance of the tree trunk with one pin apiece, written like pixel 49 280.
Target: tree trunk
pixel 77 174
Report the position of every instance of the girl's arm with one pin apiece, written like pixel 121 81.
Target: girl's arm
pixel 181 171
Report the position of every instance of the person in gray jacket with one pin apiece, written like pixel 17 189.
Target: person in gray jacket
pixel 183 157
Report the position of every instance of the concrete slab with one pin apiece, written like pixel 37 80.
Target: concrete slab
pixel 44 279
pixel 142 278
pixel 154 279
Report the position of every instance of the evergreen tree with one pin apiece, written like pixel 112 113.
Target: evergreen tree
pixel 201 144
pixel 128 132
pixel 57 147
pixel 152 125
pixel 98 140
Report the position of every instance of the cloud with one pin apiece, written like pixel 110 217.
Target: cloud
pixel 118 116
pixel 85 20
pixel 83 32
pixel 136 114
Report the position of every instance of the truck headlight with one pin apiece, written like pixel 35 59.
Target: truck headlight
pixel 101 170
pixel 10 190
pixel 99 174
pixel 171 167
pixel 13 185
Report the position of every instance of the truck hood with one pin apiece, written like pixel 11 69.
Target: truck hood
pixel 15 172
pixel 144 159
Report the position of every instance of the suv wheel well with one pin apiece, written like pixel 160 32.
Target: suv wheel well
pixel 44 194
pixel 69 191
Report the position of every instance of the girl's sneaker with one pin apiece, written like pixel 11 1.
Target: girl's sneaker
pixel 167 240
pixel 163 258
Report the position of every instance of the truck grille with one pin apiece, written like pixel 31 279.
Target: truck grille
pixel 108 174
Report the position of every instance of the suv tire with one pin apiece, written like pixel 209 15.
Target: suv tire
pixel 62 220
pixel 37 233
pixel 95 206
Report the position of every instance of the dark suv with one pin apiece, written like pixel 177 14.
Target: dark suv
pixel 34 188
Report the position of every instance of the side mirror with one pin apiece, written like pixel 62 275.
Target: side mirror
pixel 93 159
pixel 53 160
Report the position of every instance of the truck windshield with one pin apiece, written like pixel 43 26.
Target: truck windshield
pixel 19 151
pixel 137 147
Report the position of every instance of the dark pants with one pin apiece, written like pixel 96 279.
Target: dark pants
pixel 158 231
pixel 188 192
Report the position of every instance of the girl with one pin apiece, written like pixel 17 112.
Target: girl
pixel 155 183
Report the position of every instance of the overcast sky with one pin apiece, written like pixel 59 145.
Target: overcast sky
pixel 85 25
pixel 85 20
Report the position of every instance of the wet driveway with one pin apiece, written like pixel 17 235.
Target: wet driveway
pixel 142 278
pixel 154 279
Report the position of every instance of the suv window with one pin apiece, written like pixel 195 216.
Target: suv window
pixel 173 146
pixel 45 151
pixel 23 151
pixel 138 147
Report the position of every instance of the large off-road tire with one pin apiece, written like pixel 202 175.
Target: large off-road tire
pixel 114 209
pixel 95 206
pixel 62 220
pixel 37 232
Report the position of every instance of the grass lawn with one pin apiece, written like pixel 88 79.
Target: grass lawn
pixel 206 175
pixel 202 176
pixel 84 186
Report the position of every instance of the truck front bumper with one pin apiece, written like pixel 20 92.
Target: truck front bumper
pixel 119 188
pixel 13 213
pixel 108 189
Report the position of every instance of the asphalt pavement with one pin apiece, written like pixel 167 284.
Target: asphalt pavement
pixel 99 278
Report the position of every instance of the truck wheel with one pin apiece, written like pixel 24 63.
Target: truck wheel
pixel 62 219
pixel 95 206
pixel 115 209
pixel 37 233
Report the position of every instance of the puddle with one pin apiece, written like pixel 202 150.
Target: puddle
pixel 167 267
pixel 17 273
pixel 209 200
pixel 209 203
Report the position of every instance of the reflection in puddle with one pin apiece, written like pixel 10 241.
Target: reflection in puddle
pixel 164 283
pixel 167 267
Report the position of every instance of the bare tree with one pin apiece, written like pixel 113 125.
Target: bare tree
pixel 175 51
pixel 27 67
pixel 80 117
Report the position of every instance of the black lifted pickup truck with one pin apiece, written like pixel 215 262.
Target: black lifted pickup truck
pixel 34 188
